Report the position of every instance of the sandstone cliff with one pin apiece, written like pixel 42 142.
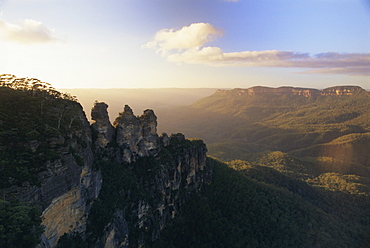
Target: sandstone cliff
pixel 307 92
pixel 136 136
pixel 67 184
pixel 103 128
pixel 163 172
pixel 123 178
pixel 82 161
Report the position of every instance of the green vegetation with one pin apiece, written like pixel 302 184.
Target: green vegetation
pixel 257 206
pixel 298 171
pixel 120 188
pixel 19 225
pixel 125 186
pixel 236 125
pixel 71 241
pixel 315 149
pixel 352 184
pixel 34 121
pixel 37 125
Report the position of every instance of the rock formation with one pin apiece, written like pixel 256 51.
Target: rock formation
pixel 68 185
pixel 164 189
pixel 136 136
pixel 103 128
pixel 341 91
pixel 261 90
pixel 167 185
pixel 76 159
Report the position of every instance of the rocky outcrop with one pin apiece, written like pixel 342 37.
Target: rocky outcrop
pixel 164 189
pixel 341 91
pixel 74 185
pixel 165 170
pixel 104 130
pixel 62 163
pixel 116 233
pixel 136 136
pixel 260 90
pixel 69 187
pixel 68 212
pixel 68 184
pixel 150 140
pixel 180 171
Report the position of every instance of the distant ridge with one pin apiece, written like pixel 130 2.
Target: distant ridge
pixel 307 92
pixel 239 123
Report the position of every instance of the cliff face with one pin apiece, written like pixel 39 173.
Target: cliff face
pixel 163 191
pixel 166 171
pixel 136 136
pixel 122 178
pixel 103 128
pixel 341 91
pixel 260 90
pixel 163 172
pixel 67 182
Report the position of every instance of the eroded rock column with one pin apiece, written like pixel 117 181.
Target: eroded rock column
pixel 102 127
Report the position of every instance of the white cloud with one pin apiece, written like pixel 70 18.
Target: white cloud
pixel 195 35
pixel 27 31
pixel 215 56
pixel 187 45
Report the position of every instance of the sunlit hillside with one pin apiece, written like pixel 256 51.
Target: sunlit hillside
pixel 236 124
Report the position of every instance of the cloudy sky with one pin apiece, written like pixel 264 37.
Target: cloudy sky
pixel 187 43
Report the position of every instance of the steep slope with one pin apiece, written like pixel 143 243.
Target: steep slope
pixel 306 149
pixel 55 164
pixel 146 178
pixel 348 154
pixel 262 118
pixel 256 206
pixel 46 159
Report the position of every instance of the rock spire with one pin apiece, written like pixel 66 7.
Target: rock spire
pixel 102 127
pixel 134 135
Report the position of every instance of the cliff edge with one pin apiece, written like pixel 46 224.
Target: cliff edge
pixel 101 184
pixel 162 171
pixel 286 90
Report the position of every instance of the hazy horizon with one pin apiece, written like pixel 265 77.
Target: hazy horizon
pixel 157 99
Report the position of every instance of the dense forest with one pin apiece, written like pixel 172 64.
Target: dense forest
pixel 308 152
pixel 35 121
pixel 250 205
pixel 31 113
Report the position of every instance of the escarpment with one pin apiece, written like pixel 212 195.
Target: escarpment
pixel 107 185
pixel 48 160
pixel 307 92
pixel 162 173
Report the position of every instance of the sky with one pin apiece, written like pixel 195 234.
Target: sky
pixel 187 43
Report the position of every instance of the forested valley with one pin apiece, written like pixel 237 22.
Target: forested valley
pixel 291 170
